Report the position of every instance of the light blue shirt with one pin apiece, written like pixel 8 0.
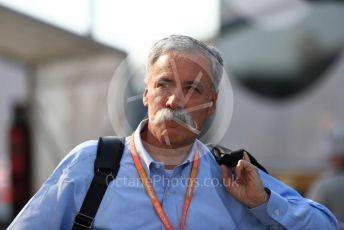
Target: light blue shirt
pixel 126 205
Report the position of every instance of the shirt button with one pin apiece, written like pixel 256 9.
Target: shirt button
pixel 277 212
pixel 157 166
pixel 166 194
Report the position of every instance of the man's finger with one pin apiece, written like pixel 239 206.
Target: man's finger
pixel 238 169
pixel 246 157
pixel 241 166
pixel 225 177
pixel 224 172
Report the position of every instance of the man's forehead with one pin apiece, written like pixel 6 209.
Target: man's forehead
pixel 177 63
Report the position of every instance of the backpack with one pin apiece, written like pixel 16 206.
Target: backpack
pixel 106 166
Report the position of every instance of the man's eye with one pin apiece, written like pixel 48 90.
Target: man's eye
pixel 194 88
pixel 162 85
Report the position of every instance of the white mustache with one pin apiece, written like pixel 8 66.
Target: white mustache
pixel 180 116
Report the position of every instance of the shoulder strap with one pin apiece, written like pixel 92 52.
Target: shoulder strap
pixel 106 166
pixel 230 158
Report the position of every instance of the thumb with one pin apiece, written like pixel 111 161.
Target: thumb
pixel 246 157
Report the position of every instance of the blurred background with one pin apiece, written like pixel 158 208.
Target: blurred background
pixel 284 61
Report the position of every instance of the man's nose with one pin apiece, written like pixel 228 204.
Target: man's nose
pixel 175 100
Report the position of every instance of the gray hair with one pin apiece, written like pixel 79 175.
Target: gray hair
pixel 182 43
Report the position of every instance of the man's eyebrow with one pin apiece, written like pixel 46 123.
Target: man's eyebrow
pixel 195 83
pixel 164 79
pixel 169 80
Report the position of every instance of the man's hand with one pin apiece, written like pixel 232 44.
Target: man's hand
pixel 247 186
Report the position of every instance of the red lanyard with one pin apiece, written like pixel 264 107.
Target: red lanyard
pixel 150 191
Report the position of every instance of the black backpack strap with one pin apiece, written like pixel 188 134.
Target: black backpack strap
pixel 225 156
pixel 106 166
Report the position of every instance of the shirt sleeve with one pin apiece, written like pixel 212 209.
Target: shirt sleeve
pixel 58 200
pixel 287 209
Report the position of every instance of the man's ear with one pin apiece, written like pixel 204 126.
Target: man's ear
pixel 212 108
pixel 145 99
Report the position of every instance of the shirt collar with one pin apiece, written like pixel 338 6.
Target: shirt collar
pixel 145 156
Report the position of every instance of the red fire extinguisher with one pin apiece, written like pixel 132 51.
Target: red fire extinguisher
pixel 20 155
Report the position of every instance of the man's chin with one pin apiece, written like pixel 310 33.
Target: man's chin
pixel 173 133
pixel 174 126
pixel 171 124
pixel 177 131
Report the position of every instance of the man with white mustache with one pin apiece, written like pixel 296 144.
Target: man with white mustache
pixel 180 116
pixel 181 90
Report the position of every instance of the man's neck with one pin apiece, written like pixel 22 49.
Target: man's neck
pixel 171 156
